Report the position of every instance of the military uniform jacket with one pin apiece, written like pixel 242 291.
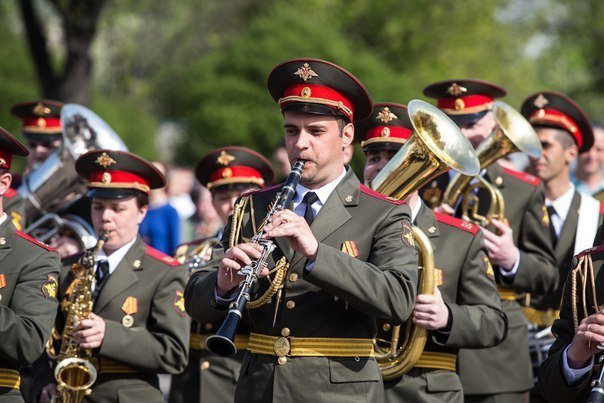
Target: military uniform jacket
pixel 149 285
pixel 14 207
pixel 552 383
pixel 564 252
pixel 507 367
pixel 207 377
pixel 28 300
pixel 466 282
pixel 340 297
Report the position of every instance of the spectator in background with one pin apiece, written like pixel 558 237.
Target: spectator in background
pixel 180 184
pixel 205 222
pixel 588 177
pixel 161 226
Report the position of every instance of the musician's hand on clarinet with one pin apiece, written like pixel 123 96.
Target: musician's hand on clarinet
pixel 430 311
pixel 288 224
pixel 589 335
pixel 235 259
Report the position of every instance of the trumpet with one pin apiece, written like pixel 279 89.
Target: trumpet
pixel 222 343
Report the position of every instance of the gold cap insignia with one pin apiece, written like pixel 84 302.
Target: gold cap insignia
pixel 540 101
pixel 41 122
pixel 459 105
pixel 2 162
pixel 106 178
pixel 105 160
pixel 456 90
pixel 385 132
pixel 227 172
pixel 386 116
pixel 305 72
pixel 41 110
pixel 305 93
pixel 225 158
pixel 179 303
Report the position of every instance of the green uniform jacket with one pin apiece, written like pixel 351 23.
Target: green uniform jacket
pixel 564 252
pixel 468 288
pixel 14 207
pixel 507 367
pixel 207 377
pixel 157 341
pixel 552 383
pixel 340 297
pixel 28 303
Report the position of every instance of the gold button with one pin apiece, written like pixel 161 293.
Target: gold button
pixel 499 181
pixel 285 332
pixel 282 360
pixel 293 277
pixel 290 304
pixel 208 326
pixel 386 327
pixel 205 365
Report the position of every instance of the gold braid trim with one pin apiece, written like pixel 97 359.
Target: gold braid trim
pixel 281 267
pixel 584 271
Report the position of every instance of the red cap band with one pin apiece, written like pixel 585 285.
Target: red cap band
pixel 465 105
pixel 387 132
pixel 119 179
pixel 42 124
pixel 235 174
pixel 554 117
pixel 6 158
pixel 318 94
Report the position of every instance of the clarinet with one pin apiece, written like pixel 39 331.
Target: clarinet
pixel 597 392
pixel 222 343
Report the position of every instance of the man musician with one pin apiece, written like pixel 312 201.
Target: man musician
pixel 138 326
pixel 340 250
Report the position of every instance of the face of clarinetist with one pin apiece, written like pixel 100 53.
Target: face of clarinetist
pixel 121 217
pixel 318 140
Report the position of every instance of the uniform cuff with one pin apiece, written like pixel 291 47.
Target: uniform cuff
pixel 572 376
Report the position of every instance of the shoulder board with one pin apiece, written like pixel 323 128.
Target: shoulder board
pixel 34 241
pixel 67 260
pixel 10 193
pixel 254 191
pixel 162 257
pixel 523 176
pixel 456 222
pixel 596 249
pixel 601 208
pixel 378 195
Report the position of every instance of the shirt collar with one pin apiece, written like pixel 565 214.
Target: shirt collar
pixel 3 218
pixel 415 210
pixel 322 192
pixel 562 203
pixel 116 257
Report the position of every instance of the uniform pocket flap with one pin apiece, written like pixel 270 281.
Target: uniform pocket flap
pixel 442 381
pixel 344 370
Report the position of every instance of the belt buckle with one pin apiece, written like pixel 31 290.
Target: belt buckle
pixel 281 346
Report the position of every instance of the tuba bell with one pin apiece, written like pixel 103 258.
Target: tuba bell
pixel 512 133
pixel 435 146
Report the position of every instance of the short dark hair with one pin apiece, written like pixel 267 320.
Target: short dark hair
pixel 142 200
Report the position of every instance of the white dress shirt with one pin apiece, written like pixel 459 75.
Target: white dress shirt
pixel 3 218
pixel 562 207
pixel 115 258
pixel 322 193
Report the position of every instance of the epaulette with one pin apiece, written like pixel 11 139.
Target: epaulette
pixel 35 241
pixel 162 257
pixel 68 260
pixel 523 176
pixel 378 195
pixel 601 208
pixel 10 193
pixel 254 191
pixel 456 222
pixel 590 251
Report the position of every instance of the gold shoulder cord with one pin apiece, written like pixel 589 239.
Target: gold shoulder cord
pixel 585 271
pixel 276 284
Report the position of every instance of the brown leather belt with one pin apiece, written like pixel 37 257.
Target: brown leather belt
pixel 198 341
pixel 9 378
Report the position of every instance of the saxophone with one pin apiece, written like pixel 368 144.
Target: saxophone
pixel 74 372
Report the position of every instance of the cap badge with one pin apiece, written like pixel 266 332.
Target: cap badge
pixel 106 178
pixel 305 93
pixel 385 132
pixel 227 172
pixel 386 116
pixel 459 104
pixel 41 122
pixel 2 162
pixel 41 110
pixel 540 101
pixel 305 72
pixel 105 160
pixel 225 158
pixel 456 90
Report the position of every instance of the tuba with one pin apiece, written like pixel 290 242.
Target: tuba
pixel 74 372
pixel 512 133
pixel 435 146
